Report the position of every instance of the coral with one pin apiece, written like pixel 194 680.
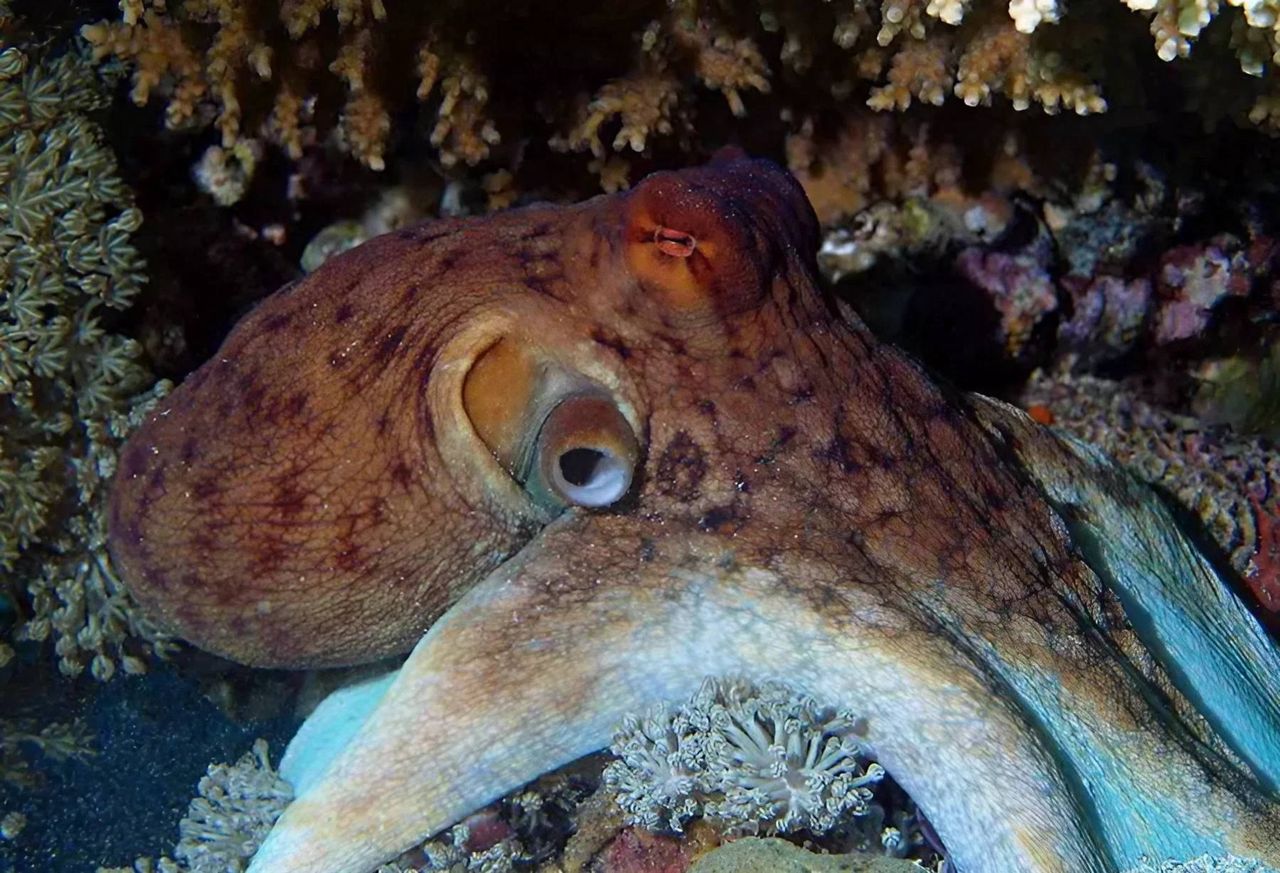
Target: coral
pixel 293 71
pixel 597 822
pixel 394 208
pixel 640 851
pixel 754 760
pixel 230 816
pixel 753 855
pixel 642 105
pixel 1100 253
pixel 1108 315
pixel 68 385
pixel 452 852
pixel 56 741
pixel 1242 393
pixel 1098 231
pixel 1193 280
pixel 886 188
pixel 528 826
pixel 1017 284
pixel 236 806
pixel 333 239
pixel 1231 483
pixel 225 174
pixel 12 824
pixel 147 865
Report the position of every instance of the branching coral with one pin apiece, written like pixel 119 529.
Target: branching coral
pixel 891 187
pixel 756 760
pixel 294 70
pixel 68 385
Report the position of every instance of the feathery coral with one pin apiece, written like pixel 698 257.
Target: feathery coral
pixel 66 382
pixel 56 741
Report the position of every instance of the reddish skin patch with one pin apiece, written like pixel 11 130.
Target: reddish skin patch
pixel 639 851
pixel 296 404
pixel 205 489
pixel 349 558
pixel 277 322
pixel 1040 414
pixel 1264 582
pixel 402 475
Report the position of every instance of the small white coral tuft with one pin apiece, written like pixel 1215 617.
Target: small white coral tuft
pixel 1027 15
pixel 756 759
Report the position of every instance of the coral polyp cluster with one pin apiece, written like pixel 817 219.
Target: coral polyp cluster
pixel 234 808
pixel 768 760
pixel 69 384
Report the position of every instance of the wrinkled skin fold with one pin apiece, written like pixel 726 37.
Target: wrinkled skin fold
pixel 1043 660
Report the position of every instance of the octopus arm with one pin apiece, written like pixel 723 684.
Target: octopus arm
pixel 1210 647
pixel 534 667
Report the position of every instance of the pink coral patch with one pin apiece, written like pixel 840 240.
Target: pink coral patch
pixel 638 851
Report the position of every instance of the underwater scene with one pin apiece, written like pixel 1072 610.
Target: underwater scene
pixel 640 437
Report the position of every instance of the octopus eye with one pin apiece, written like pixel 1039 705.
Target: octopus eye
pixel 559 435
pixel 586 452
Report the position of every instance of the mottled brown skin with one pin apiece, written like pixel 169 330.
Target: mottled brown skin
pixel 288 505
pixel 326 487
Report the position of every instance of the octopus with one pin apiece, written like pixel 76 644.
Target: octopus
pixel 578 458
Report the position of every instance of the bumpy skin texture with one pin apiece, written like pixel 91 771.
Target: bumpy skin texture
pixel 810 507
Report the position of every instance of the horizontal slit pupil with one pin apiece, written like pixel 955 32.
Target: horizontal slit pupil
pixel 578 466
pixel 675 243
